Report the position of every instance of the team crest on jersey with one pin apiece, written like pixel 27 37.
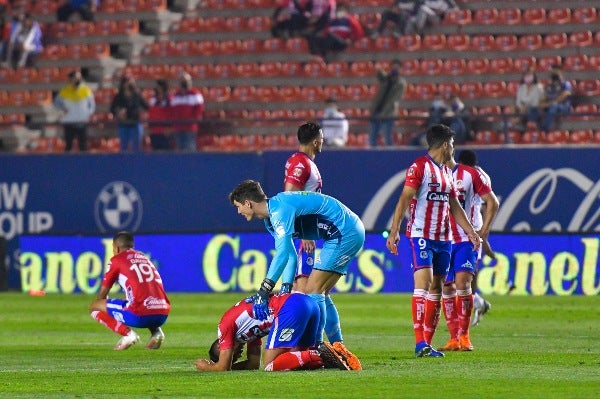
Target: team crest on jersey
pixel 411 170
pixel 423 254
pixel 286 335
pixel 297 172
pixel 280 231
pixel 459 184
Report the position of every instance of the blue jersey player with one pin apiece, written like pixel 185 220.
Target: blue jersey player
pixel 305 215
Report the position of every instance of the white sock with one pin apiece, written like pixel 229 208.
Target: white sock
pixel 478 301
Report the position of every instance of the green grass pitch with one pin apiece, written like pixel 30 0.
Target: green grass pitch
pixel 526 347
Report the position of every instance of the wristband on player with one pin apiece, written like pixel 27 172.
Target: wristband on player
pixel 266 286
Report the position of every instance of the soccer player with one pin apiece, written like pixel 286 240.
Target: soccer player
pixel 302 174
pixel 457 296
pixel 469 158
pixel 305 215
pixel 146 304
pixel 429 191
pixel 291 331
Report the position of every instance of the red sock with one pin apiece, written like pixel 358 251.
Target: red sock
pixel 433 308
pixel 418 313
pixel 465 308
pixel 451 315
pixel 110 322
pixel 299 360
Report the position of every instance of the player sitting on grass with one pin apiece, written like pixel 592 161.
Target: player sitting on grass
pixel 147 304
pixel 291 330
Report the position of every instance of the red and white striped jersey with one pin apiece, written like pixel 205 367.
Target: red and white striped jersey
pixel 470 185
pixel 140 281
pixel 477 217
pixel 237 324
pixel 429 210
pixel 302 172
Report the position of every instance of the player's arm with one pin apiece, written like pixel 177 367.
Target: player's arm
pixel 252 361
pixel 461 218
pixel 103 294
pixel 491 209
pixel 394 237
pixel 285 258
pixel 224 363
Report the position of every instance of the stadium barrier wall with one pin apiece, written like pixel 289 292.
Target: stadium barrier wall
pixel 526 264
pixel 546 189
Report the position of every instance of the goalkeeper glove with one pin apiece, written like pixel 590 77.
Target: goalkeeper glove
pixel 286 288
pixel 260 300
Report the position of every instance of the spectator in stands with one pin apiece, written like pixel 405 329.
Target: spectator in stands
pixel 302 17
pixel 127 108
pixel 334 125
pixel 188 109
pixel 25 42
pixel 430 13
pixel 4 36
pixel 557 98
pixel 530 94
pixel 85 9
pixel 339 33
pixel 159 117
pixel 396 17
pixel 385 104
pixel 76 105
pixel 448 111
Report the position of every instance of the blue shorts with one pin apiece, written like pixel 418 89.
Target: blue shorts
pixel 463 259
pixel 338 252
pixel 430 253
pixel 296 324
pixel 117 308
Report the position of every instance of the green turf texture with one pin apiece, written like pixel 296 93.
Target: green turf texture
pixel 525 347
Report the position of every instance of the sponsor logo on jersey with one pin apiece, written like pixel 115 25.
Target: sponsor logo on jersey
pixel 438 196
pixel 118 207
pixel 286 335
pixel 155 303
pixel 423 254
pixel 434 184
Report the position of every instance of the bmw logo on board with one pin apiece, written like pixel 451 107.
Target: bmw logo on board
pixel 118 207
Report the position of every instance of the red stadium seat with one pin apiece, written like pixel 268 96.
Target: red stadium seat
pixel 337 92
pixel 424 91
pixel 315 69
pixel 431 66
pixel 458 17
pixel 471 90
pixel 581 136
pixel 259 23
pixel 594 62
pixel 448 89
pixel 486 137
pixel 218 94
pixel 458 42
pixel 270 69
pixel 24 75
pixel 386 43
pixel 230 47
pixel 225 70
pixel 454 66
pixel 557 137
pixel 509 16
pixel 585 15
pixel 556 40
pixel 40 97
pixel 581 39
pixel 523 63
pixel 369 20
pixel 362 45
pixel 361 68
pixel 312 94
pixel 545 63
pixel 575 62
pixel 273 45
pixel 289 93
pixel 559 16
pixel 250 46
pixel 358 92
pixel 482 42
pixel 502 65
pixel 292 69
pixel 485 16
pixel 411 67
pixel 534 16
pixel 589 87
pixel 338 69
pixel 235 24
pixel 266 94
pixel 433 42
pixel 478 66
pixel 296 45
pixel 248 69
pixel 533 137
pixel 489 112
pixel 506 42
pixel 158 71
pixel 586 112
pixel 199 71
pixel 495 89
pixel 304 114
pixel 531 42
pixel 409 43
pixel 243 93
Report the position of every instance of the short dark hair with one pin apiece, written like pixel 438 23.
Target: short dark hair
pixel 214 352
pixel 247 190
pixel 163 84
pixel 123 239
pixel 438 134
pixel 467 157
pixel 308 132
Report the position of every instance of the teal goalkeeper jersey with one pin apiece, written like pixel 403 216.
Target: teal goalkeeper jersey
pixel 306 215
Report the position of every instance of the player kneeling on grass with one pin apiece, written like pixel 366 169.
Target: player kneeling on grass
pixel 291 329
pixel 146 305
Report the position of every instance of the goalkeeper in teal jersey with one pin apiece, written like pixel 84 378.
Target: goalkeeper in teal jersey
pixel 304 215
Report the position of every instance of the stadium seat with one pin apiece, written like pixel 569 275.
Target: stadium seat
pixel 533 137
pixel 104 95
pixel 478 66
pixel 267 94
pixel 556 40
pixel 471 90
pixel 581 39
pixel 513 137
pixel 531 42
pixel 40 97
pixel 218 94
pixel 485 16
pixel 534 16
pixel 424 91
pixel 589 87
pixel 448 89
pixel 559 16
pixel 296 45
pixel 454 66
pixel 489 113
pixel 270 69
pixel 225 70
pixel 509 16
pixel 259 23
pixel 487 137
pixel 512 87
pixel 358 92
pixel 575 62
pixel 24 75
pixel 431 66
pixel 248 69
pixel 289 93
pixel 502 65
pixel 458 17
pixel 433 42
pixel 458 42
pixel 369 20
pixel 312 94
pixel 495 89
pixel 409 43
pixel 585 15
pixel 386 43
pixel 13 119
pixel 362 68
pixel 546 62
pixel 410 67
pixel 138 71
pixel 273 45
pixel 315 69
pixel 521 64
pixel 338 69
pixel 557 137
pixel 304 114
pixel 337 92
pixel 230 47
pixel 361 45
pixel 291 69
pixel 127 27
pixel 163 71
pixel 482 42
pixel 594 62
pixel 283 114
pixel 581 136
pixel 506 42
pixel 235 24
pixel 243 93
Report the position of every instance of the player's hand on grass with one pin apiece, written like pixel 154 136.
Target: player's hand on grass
pixel 203 364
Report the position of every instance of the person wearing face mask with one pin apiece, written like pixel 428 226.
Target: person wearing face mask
pixel 335 125
pixel 557 98
pixel 385 104
pixel 75 103
pixel 529 96
pixel 188 108
pixel 127 109
pixel 339 33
